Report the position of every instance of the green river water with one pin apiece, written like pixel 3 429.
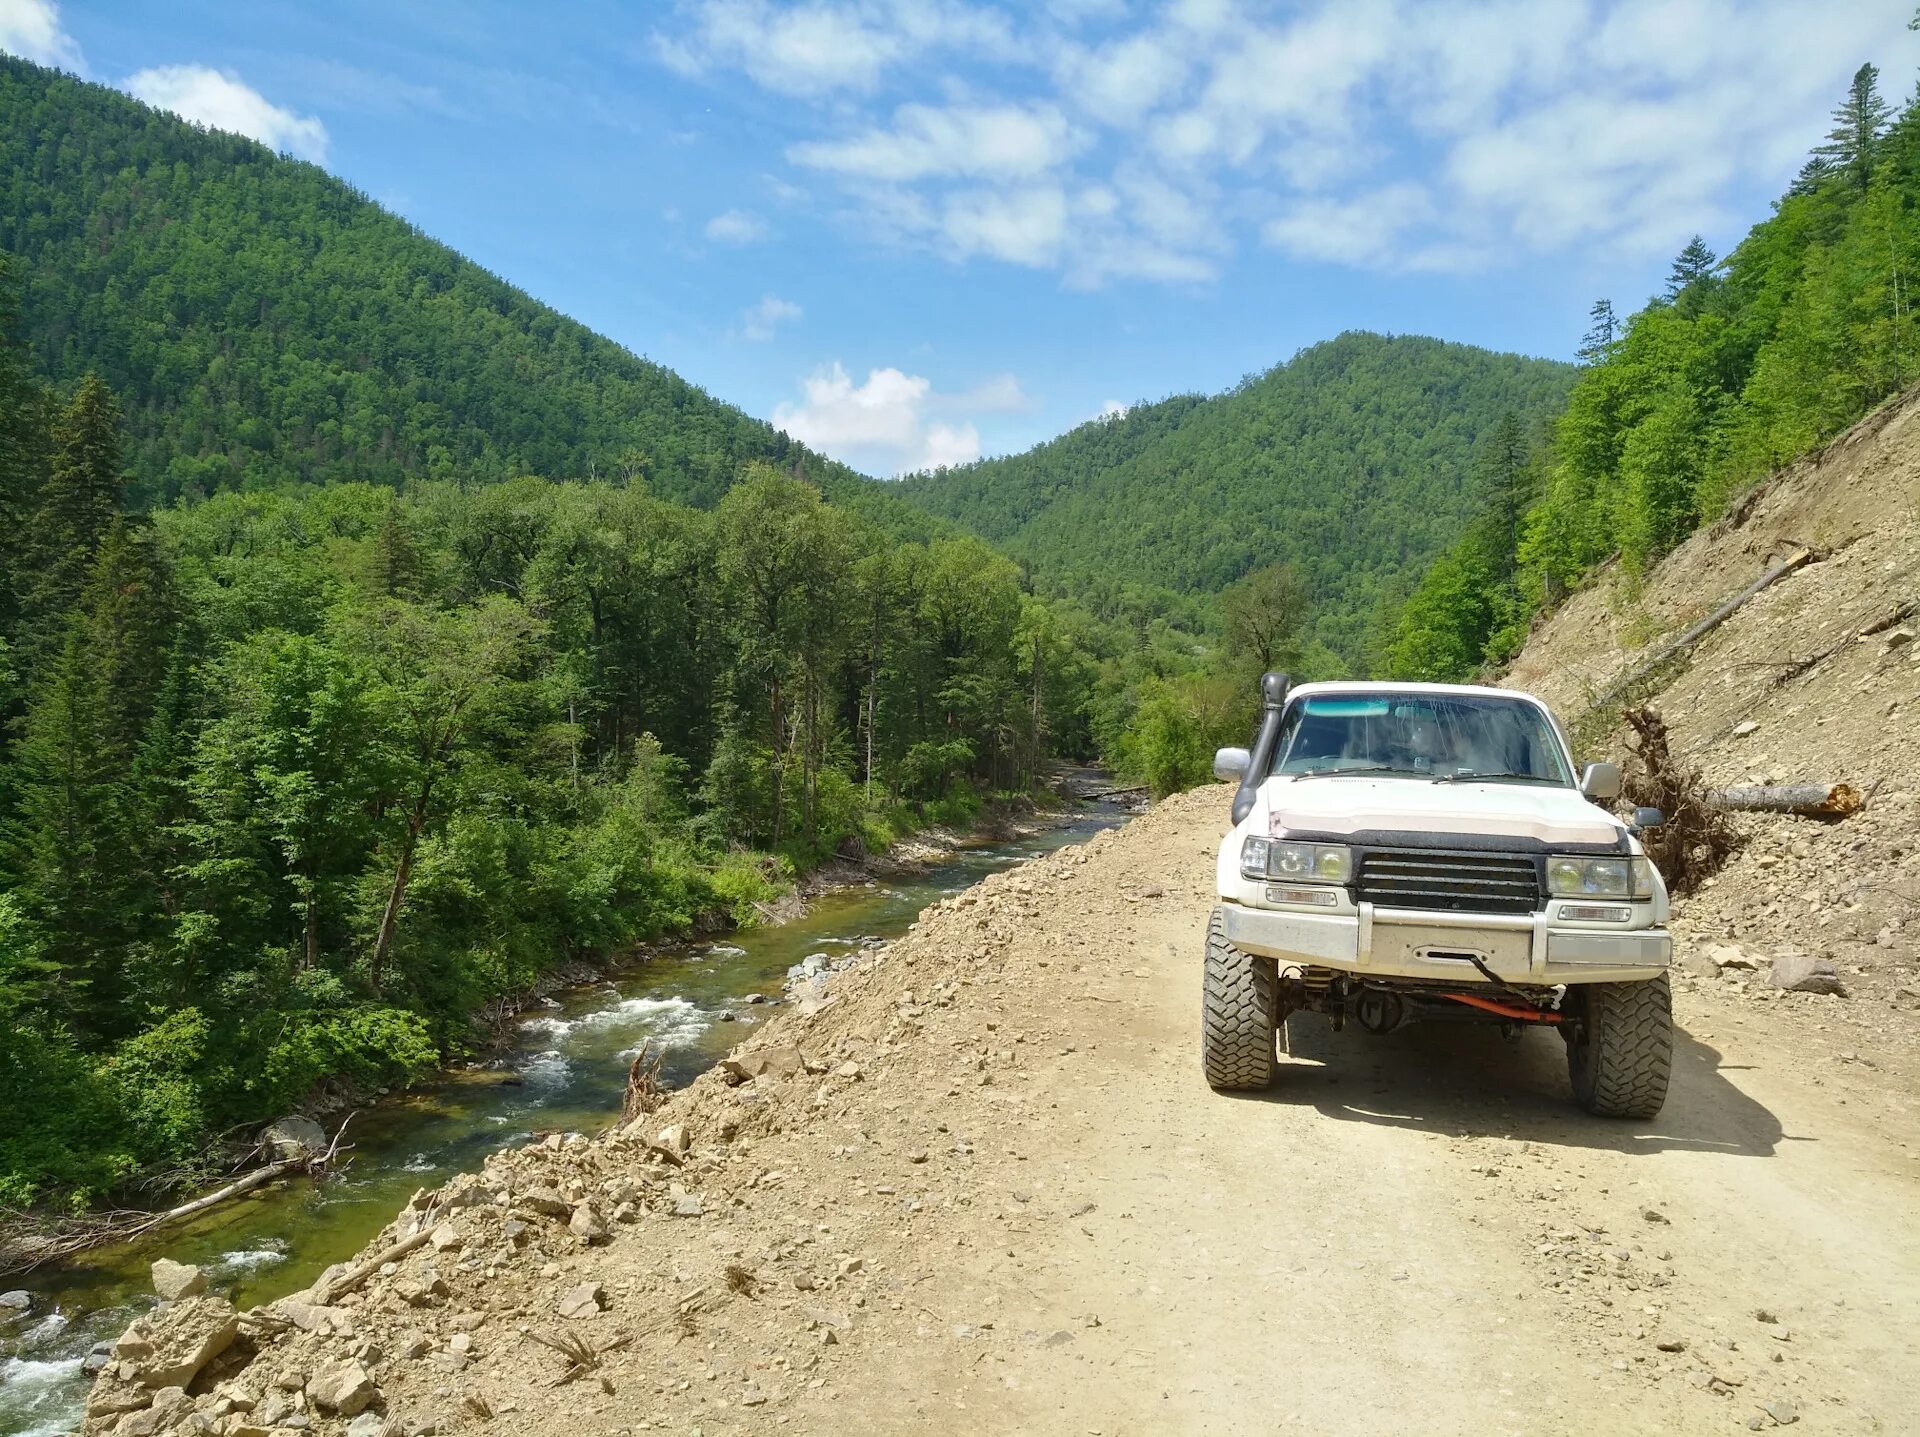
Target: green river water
pixel 567 1071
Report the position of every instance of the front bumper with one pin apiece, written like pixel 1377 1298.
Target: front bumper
pixel 1407 943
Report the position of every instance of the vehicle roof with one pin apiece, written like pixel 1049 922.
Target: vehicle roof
pixel 1379 686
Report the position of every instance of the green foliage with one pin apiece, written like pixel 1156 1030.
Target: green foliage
pixel 1181 722
pixel 312 777
pixel 1353 462
pixel 1742 365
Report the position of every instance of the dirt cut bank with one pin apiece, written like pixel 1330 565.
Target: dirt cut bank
pixel 981 1186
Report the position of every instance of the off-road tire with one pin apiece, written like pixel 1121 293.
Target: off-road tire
pixel 1236 1015
pixel 1622 1054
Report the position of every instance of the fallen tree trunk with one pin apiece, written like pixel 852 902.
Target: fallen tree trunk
pixel 1810 800
pixel 1799 559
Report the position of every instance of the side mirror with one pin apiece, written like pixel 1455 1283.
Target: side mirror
pixel 1648 818
pixel 1231 764
pixel 1601 780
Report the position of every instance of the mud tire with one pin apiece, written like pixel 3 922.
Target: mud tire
pixel 1623 1055
pixel 1237 1015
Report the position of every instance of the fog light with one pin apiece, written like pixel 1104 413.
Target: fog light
pixel 1307 897
pixel 1590 913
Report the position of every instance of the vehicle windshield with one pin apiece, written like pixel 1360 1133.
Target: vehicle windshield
pixel 1452 737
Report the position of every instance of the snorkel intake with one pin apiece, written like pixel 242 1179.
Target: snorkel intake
pixel 1273 698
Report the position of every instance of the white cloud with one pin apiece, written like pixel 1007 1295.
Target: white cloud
pixel 761 320
pixel 818 47
pixel 1103 141
pixel 31 29
pixel 737 227
pixel 894 422
pixel 1112 409
pixel 924 142
pixel 220 100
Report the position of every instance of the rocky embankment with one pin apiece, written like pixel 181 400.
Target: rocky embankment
pixel 973 1181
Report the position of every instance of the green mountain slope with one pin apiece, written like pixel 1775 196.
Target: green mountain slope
pixel 263 322
pixel 1354 460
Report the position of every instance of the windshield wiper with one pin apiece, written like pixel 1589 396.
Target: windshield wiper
pixel 1359 773
pixel 1467 777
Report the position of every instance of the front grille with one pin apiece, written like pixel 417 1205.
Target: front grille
pixel 1449 882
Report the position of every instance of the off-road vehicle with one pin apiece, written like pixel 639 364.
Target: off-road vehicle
pixel 1405 852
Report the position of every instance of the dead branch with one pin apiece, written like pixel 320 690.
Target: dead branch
pixel 644 1093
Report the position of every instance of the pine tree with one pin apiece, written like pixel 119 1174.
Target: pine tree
pixel 1814 173
pixel 1858 125
pixel 77 505
pixel 1602 330
pixel 23 446
pixel 1692 267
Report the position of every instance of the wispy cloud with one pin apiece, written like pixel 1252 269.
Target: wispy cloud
pixel 736 227
pixel 761 320
pixel 1106 141
pixel 220 100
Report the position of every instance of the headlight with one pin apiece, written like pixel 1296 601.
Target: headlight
pixel 1297 862
pixel 1570 877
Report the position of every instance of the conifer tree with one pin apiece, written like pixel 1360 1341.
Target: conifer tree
pixel 1692 268
pixel 1858 125
pixel 83 493
pixel 1602 329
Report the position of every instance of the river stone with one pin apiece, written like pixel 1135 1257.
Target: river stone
pixel 344 1387
pixel 295 1137
pixel 674 1138
pixel 367 1424
pixel 169 1348
pixel 175 1280
pixel 19 1300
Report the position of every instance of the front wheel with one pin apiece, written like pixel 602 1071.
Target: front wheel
pixel 1620 1052
pixel 1236 1015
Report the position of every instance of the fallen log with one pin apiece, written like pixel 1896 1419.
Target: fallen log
pixel 1799 559
pixel 326 1293
pixel 1809 800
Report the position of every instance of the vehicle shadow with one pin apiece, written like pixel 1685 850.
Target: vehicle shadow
pixel 1466 1080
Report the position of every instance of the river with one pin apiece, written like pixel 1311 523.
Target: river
pixel 566 1071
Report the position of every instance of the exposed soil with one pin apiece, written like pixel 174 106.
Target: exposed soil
pixel 1003 1199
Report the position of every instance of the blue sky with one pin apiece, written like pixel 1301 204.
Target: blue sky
pixel 913 231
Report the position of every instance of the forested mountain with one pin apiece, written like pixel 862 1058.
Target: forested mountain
pixel 1355 461
pixel 292 783
pixel 1738 367
pixel 261 321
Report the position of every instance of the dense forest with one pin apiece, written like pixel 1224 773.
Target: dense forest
pixel 1741 365
pixel 291 783
pixel 1355 462
pixel 260 321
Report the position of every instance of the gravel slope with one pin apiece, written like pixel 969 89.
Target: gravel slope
pixel 1003 1199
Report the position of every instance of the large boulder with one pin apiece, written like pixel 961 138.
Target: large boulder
pixel 779 1062
pixel 345 1388
pixel 1803 973
pixel 175 1280
pixel 168 1349
pixel 295 1137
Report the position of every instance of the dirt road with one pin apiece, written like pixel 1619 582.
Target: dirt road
pixel 1004 1200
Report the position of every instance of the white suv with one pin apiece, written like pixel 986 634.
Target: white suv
pixel 1422 851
